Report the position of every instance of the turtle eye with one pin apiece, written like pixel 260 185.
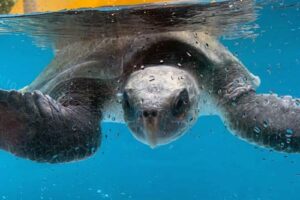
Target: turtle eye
pixel 181 103
pixel 128 107
pixel 126 102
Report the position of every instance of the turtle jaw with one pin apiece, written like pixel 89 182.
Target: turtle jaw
pixel 158 130
pixel 151 127
pixel 146 127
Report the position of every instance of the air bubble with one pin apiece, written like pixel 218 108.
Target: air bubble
pixel 297 102
pixel 93 150
pixel 289 132
pixel 266 124
pixel 151 78
pixel 74 128
pixel 189 54
pixel 256 129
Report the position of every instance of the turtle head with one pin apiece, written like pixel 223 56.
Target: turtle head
pixel 160 103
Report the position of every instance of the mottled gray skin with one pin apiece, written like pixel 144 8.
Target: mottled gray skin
pixel 157 84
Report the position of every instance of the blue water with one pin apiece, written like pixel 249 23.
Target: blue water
pixel 207 163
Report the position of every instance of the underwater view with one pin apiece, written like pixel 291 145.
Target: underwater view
pixel 146 100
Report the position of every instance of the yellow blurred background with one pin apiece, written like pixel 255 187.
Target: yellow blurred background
pixel 27 6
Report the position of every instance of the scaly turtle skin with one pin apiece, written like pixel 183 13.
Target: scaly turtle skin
pixel 158 84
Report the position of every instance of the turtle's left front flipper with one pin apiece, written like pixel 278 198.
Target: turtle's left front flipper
pixel 35 126
pixel 267 120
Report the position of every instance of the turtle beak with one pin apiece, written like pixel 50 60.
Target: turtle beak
pixel 151 127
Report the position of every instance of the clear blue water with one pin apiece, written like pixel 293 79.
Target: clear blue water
pixel 207 163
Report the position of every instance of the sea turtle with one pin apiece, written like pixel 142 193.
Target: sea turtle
pixel 156 83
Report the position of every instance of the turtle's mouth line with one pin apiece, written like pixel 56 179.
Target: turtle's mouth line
pixel 151 128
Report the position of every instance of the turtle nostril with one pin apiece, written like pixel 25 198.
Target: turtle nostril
pixel 145 113
pixel 149 113
pixel 154 113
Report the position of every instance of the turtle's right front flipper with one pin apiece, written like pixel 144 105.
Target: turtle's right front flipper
pixel 34 126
